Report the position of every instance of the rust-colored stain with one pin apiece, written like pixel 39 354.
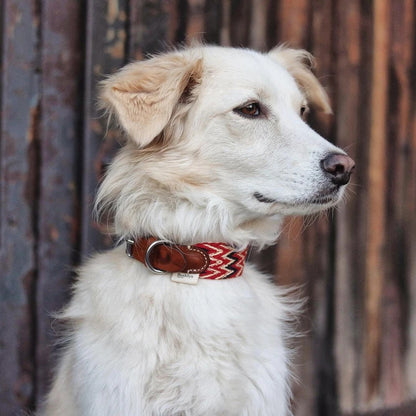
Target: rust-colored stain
pixel 111 34
pixel 98 69
pixel 113 11
pixel 15 20
pixel 33 123
pixel 116 49
pixel 96 127
pixel 54 234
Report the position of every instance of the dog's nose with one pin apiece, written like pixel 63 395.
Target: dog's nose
pixel 338 168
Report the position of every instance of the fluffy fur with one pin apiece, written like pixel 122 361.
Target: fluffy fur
pixel 193 163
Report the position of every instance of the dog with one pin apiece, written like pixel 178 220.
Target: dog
pixel 174 321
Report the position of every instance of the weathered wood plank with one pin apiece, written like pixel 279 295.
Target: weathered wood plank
pixel 155 25
pixel 106 34
pixel 59 133
pixel 195 21
pixel 258 25
pixel 410 354
pixel 409 208
pixel 213 21
pixel 376 219
pixel 225 34
pixel 348 323
pixel 239 19
pixel 398 145
pixel 18 166
pixel 293 25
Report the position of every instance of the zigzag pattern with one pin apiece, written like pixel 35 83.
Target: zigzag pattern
pixel 225 262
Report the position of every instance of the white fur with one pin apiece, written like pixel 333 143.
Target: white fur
pixel 140 344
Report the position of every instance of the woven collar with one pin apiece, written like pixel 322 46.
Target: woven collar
pixel 225 262
pixel 213 261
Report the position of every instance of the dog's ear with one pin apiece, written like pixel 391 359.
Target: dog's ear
pixel 143 95
pixel 299 63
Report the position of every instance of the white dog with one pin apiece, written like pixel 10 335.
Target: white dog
pixel 217 154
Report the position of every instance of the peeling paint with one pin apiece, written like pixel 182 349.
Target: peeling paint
pixel 98 69
pixel 54 233
pixel 113 11
pixel 122 16
pixel 96 127
pixel 33 120
pixel 16 19
pixel 111 33
pixel 116 51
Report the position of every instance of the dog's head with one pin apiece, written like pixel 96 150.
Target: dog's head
pixel 221 127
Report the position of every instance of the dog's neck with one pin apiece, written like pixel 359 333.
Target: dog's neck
pixel 140 205
pixel 188 224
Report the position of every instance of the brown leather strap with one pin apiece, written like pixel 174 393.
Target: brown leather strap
pixel 167 257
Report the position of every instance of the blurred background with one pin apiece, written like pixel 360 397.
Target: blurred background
pixel 356 264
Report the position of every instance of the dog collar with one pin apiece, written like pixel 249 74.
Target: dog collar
pixel 188 263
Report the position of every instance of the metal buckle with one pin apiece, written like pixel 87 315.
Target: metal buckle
pixel 129 247
pixel 147 256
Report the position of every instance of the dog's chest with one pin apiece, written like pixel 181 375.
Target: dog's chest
pixel 215 348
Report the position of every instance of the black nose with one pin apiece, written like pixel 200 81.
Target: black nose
pixel 338 168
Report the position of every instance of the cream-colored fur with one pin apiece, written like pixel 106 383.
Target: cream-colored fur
pixel 193 163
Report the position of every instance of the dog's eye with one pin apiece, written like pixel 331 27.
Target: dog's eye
pixel 304 110
pixel 249 110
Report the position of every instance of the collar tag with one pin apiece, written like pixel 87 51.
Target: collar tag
pixel 186 278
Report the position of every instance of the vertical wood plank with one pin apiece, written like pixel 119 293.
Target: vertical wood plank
pixel 213 21
pixel 410 209
pixel 375 264
pixel 293 26
pixel 347 26
pixel 195 21
pixel 258 25
pixel 225 34
pixel 240 22
pixel 18 121
pixel 398 149
pixel 59 133
pixel 106 33
pixel 410 356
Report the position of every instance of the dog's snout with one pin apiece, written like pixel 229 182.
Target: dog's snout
pixel 338 168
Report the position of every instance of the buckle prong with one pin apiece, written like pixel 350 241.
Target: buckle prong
pixel 129 247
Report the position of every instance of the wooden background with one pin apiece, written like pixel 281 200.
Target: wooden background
pixel 357 264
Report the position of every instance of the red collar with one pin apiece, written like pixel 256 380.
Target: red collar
pixel 213 261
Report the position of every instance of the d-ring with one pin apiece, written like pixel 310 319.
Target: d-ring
pixel 148 252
